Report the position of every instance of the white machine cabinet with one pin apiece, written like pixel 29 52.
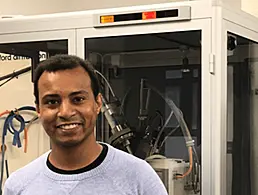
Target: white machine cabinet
pixel 166 169
pixel 203 57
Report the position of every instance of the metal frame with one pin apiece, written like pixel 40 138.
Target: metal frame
pixel 244 25
pixel 217 104
pixel 42 36
pixel 224 20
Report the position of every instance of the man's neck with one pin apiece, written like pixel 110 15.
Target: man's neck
pixel 75 157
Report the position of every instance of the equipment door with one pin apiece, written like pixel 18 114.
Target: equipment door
pixel 174 58
pixel 240 72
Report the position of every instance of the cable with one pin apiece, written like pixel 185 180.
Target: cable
pixel 26 133
pixel 3 153
pixel 9 127
pixel 109 86
pixel 7 169
pixel 4 113
pixel 123 100
pixel 188 139
pixel 152 120
pixel 190 164
pixel 178 115
pixel 13 75
pixel 154 148
pixel 2 84
pixel 170 133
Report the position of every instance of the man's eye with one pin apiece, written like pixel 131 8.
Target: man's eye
pixel 78 99
pixel 52 102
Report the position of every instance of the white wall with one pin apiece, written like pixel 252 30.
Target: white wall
pixel 250 6
pixel 30 7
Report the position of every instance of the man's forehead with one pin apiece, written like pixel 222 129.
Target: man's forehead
pixel 68 76
pixel 64 82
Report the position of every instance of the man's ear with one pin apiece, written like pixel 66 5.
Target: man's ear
pixel 99 102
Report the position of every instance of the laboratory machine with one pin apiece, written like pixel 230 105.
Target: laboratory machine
pixel 179 85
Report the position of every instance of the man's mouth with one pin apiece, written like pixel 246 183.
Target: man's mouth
pixel 68 126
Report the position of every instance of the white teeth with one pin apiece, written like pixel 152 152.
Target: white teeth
pixel 70 126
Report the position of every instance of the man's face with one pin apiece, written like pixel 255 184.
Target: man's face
pixel 67 106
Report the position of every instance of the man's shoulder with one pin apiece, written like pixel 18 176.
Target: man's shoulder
pixel 138 173
pixel 127 158
pixel 128 161
pixel 24 175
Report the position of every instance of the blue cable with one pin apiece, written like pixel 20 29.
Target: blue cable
pixel 8 126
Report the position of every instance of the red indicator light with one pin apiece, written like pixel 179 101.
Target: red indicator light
pixel 149 15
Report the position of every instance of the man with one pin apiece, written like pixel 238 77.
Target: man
pixel 68 101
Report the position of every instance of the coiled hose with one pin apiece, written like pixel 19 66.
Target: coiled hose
pixel 9 127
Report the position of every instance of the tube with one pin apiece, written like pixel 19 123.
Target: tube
pixel 179 117
pixel 188 138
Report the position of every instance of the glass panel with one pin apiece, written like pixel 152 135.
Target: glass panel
pixel 169 61
pixel 242 153
pixel 133 66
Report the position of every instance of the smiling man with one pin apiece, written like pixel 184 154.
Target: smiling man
pixel 68 101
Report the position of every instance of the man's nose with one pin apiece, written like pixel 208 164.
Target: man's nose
pixel 66 110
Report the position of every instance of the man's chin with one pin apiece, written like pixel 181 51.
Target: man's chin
pixel 68 143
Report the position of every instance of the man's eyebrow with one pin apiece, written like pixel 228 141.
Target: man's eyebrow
pixel 72 94
pixel 51 96
pixel 79 92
